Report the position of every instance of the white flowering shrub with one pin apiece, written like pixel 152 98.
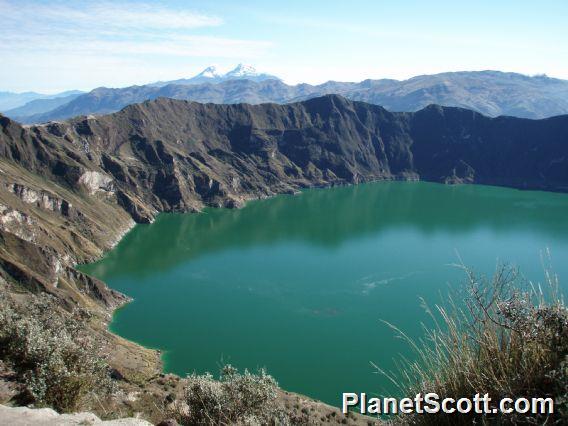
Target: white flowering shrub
pixel 56 359
pixel 235 398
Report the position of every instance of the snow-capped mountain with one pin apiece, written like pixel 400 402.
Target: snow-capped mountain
pixel 248 72
pixel 242 70
pixel 209 72
pixel 212 75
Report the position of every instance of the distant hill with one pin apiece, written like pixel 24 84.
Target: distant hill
pixel 11 100
pixel 491 93
pixel 39 106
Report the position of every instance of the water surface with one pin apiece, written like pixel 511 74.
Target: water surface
pixel 299 284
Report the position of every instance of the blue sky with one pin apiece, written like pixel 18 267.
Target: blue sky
pixel 52 46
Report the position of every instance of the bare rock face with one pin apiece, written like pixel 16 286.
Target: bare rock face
pixel 23 416
pixel 42 199
pixel 17 222
pixel 95 182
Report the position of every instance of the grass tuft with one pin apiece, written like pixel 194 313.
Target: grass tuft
pixel 507 339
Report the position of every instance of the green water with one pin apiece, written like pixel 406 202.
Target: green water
pixel 299 284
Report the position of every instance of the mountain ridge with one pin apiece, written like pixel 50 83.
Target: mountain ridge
pixel 492 93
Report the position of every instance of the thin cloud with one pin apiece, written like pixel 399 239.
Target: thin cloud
pixel 414 36
pixel 89 38
pixel 165 45
pixel 103 15
pixel 115 29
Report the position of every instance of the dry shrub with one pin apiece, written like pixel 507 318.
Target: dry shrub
pixel 52 354
pixel 233 399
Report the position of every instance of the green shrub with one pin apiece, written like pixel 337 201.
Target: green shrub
pixel 509 339
pixel 234 398
pixel 56 359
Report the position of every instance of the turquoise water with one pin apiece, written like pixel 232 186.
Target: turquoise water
pixel 299 284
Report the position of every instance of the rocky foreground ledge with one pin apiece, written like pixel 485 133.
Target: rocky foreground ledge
pixel 24 416
pixel 310 412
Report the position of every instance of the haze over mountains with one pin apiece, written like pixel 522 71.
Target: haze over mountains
pixel 491 93
pixel 11 100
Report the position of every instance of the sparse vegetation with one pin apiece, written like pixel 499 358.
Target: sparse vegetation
pixel 52 354
pixel 236 398
pixel 510 339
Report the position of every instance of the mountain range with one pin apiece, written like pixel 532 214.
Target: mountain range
pixel 492 93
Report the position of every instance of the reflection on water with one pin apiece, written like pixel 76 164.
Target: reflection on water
pixel 298 283
pixel 328 217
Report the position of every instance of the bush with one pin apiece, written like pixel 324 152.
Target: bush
pixel 505 341
pixel 234 398
pixel 56 359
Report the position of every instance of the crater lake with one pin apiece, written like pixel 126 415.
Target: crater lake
pixel 299 284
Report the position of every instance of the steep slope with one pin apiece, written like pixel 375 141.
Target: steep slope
pixel 491 93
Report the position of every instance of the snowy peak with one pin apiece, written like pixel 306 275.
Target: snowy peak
pixel 247 72
pixel 242 70
pixel 209 72
pixel 212 75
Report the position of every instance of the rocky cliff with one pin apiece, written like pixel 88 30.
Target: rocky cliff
pixel 71 189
